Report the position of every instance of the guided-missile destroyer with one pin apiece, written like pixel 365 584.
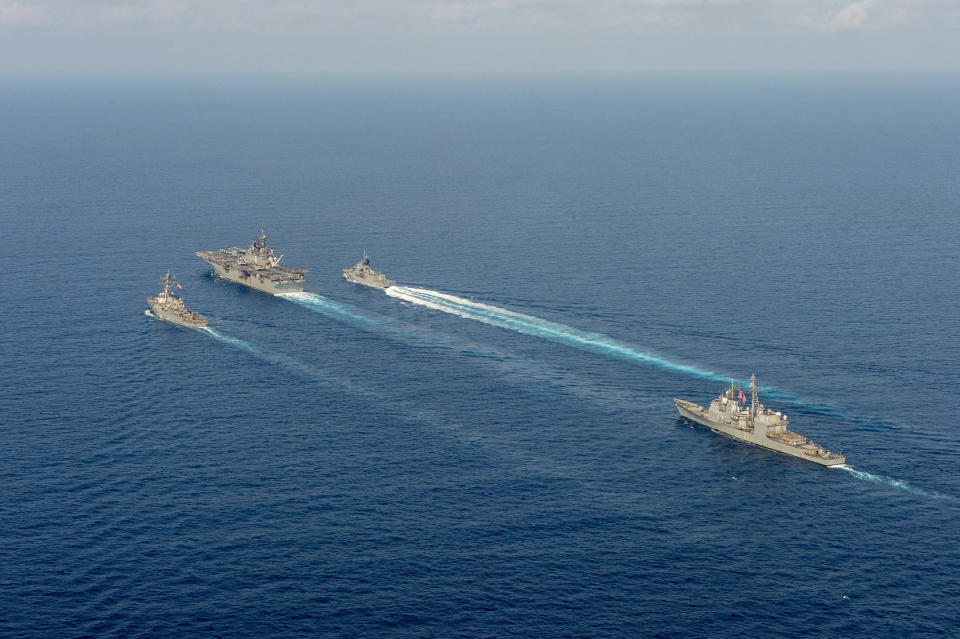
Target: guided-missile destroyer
pixel 362 273
pixel 255 267
pixel 729 415
pixel 167 305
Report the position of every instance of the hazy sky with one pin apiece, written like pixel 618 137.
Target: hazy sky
pixel 296 37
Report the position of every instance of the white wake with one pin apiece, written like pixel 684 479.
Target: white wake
pixel 288 363
pixel 328 307
pixel 536 326
pixel 889 481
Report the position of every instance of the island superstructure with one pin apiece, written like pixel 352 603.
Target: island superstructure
pixel 167 305
pixel 729 415
pixel 362 273
pixel 256 267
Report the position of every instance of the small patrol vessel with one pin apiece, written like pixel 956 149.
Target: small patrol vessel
pixel 729 415
pixel 167 305
pixel 255 267
pixel 363 274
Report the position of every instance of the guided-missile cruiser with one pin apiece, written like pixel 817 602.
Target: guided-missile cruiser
pixel 362 273
pixel 167 305
pixel 255 267
pixel 729 415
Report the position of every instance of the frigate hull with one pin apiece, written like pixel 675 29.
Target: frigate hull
pixel 694 413
pixel 363 274
pixel 373 281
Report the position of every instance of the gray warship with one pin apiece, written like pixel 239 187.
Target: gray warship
pixel 755 425
pixel 168 306
pixel 255 267
pixel 363 274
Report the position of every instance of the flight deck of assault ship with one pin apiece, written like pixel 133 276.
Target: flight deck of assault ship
pixel 255 267
pixel 753 424
pixel 362 273
pixel 167 305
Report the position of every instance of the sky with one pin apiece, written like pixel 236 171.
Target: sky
pixel 390 37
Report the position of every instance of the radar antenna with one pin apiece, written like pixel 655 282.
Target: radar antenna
pixel 166 281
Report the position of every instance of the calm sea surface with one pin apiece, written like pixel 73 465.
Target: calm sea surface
pixel 352 464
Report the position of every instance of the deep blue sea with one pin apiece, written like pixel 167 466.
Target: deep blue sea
pixel 353 464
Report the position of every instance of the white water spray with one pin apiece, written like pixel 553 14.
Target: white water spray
pixel 596 342
pixel 531 325
pixel 328 307
pixel 889 481
pixel 298 367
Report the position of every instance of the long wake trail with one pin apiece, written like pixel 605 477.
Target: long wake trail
pixel 288 363
pixel 300 368
pixel 595 342
pixel 890 481
pixel 536 326
pixel 330 308
pixel 539 327
pixel 529 325
pixel 409 411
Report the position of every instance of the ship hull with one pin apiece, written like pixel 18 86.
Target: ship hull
pixel 253 280
pixel 690 411
pixel 377 283
pixel 173 318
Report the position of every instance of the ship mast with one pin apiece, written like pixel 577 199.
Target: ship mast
pixel 753 395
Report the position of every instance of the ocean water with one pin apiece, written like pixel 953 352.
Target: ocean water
pixel 492 450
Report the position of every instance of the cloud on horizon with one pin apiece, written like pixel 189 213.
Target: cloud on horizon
pixel 853 16
pixel 473 35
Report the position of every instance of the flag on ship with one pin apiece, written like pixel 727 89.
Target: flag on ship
pixel 742 397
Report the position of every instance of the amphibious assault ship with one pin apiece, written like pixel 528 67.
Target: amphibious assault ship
pixel 754 424
pixel 363 274
pixel 255 267
pixel 167 305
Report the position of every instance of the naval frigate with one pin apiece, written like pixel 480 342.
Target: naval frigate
pixel 167 305
pixel 362 273
pixel 729 415
pixel 255 267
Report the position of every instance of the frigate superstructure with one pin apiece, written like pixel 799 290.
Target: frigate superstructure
pixel 729 415
pixel 362 273
pixel 255 267
pixel 167 305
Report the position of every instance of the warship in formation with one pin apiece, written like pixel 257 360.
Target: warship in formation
pixel 362 273
pixel 168 306
pixel 729 415
pixel 255 267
